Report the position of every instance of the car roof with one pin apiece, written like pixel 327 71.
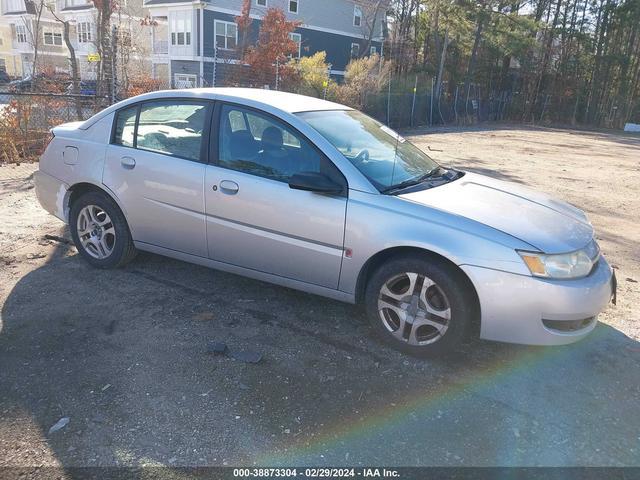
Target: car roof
pixel 256 97
pixel 288 102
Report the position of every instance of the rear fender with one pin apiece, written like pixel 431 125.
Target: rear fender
pixel 78 189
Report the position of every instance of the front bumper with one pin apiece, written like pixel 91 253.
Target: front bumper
pixel 536 311
pixel 51 194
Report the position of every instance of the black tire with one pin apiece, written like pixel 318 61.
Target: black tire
pixel 123 250
pixel 450 281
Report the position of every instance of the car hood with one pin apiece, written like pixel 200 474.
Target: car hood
pixel 550 225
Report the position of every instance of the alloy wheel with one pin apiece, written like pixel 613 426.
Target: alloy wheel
pixel 414 309
pixel 96 232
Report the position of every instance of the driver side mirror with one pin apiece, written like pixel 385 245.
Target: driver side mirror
pixel 315 182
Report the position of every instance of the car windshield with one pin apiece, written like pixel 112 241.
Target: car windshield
pixel 387 159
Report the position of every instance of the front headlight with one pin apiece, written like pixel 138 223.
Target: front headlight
pixel 564 265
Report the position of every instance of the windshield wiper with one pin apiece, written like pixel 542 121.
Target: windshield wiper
pixel 412 182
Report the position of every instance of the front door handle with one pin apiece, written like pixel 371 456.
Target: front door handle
pixel 128 162
pixel 229 187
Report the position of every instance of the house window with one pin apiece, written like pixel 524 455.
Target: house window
pixel 261 3
pixel 84 32
pixel 296 37
pixel 226 35
pixel 52 38
pixel 181 29
pixel 355 50
pixel 21 34
pixel 373 50
pixel 14 6
pixel 357 16
pixel 182 80
pixel 293 6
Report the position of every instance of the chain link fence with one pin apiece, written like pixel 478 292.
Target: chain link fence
pixel 402 101
pixel 26 118
pixel 398 100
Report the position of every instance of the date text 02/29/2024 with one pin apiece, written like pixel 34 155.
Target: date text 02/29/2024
pixel 315 473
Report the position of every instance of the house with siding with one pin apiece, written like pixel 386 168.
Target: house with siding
pixel 18 18
pixel 9 63
pixel 184 57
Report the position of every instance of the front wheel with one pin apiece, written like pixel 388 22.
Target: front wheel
pixel 419 305
pixel 100 231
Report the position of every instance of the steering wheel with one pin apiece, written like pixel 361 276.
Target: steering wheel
pixel 363 156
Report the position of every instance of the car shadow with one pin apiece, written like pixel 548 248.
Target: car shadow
pixel 123 355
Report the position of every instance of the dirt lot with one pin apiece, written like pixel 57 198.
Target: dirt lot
pixel 122 353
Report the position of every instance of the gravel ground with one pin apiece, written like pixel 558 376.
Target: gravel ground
pixel 122 354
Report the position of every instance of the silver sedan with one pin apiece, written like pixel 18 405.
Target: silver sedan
pixel 319 197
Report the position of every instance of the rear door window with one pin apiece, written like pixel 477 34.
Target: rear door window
pixel 172 127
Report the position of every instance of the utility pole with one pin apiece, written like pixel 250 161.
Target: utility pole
pixel 389 102
pixel 455 104
pixel 114 72
pixel 215 64
pixel 443 56
pixel 413 102
pixel 431 105
pixel 326 82
pixel 201 42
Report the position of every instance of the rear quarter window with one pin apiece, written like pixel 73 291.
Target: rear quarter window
pixel 125 126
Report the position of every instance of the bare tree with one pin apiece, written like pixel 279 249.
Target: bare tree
pixel 373 13
pixel 32 25
pixel 244 22
pixel 403 16
pixel 573 61
pixel 73 60
pixel 104 84
pixel 480 22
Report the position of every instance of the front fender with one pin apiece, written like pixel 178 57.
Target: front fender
pixel 376 223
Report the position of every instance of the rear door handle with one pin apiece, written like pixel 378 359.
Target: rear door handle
pixel 229 187
pixel 128 162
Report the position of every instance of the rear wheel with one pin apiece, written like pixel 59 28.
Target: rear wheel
pixel 100 231
pixel 419 305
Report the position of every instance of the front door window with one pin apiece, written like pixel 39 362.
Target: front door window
pixel 258 144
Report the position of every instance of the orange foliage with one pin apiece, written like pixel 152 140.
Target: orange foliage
pixel 274 45
pixel 110 4
pixel 142 85
pixel 148 21
pixel 24 123
pixel 244 20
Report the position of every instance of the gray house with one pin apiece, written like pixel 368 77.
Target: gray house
pixel 182 56
pixel 22 28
